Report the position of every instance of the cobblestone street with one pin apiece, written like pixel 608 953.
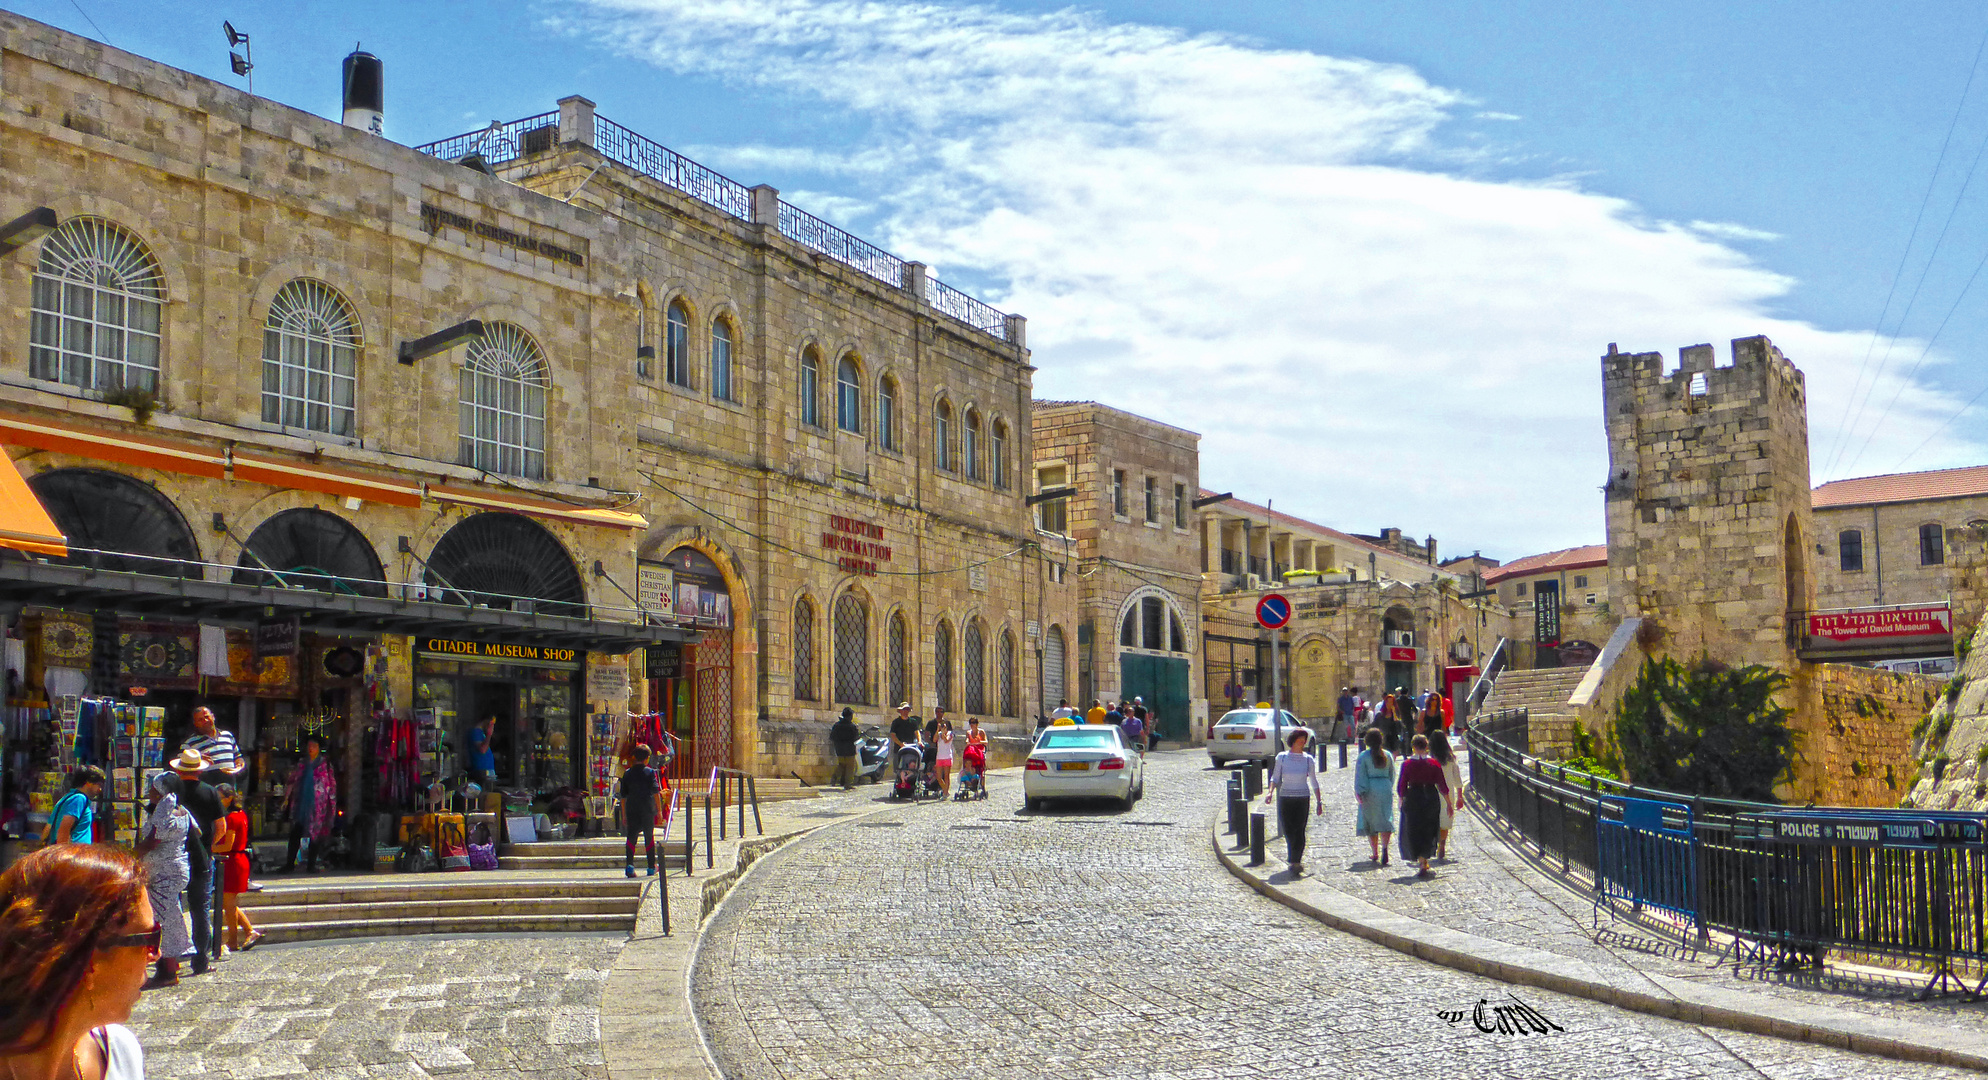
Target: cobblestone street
pixel 470 1007
pixel 976 939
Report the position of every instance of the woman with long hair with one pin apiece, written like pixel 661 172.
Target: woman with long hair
pixel 1373 789
pixel 235 867
pixel 76 932
pixel 1422 788
pixel 1445 755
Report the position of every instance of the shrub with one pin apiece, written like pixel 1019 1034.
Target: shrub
pixel 1706 729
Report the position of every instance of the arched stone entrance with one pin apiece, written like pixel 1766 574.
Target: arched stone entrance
pixel 706 699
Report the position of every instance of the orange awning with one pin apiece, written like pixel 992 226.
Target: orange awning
pixel 24 524
pixel 103 445
pixel 521 504
pixel 305 477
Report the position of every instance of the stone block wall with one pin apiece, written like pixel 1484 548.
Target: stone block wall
pixel 1859 751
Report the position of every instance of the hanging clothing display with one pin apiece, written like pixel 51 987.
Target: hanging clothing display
pixel 213 651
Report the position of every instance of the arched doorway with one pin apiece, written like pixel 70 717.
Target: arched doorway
pixel 1795 571
pixel 1154 661
pixel 696 702
pixel 311 549
pixel 103 512
pixel 1398 634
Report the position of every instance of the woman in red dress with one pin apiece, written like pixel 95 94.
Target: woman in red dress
pixel 234 860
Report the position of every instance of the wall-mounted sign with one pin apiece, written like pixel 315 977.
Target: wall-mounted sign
pixel 1546 613
pixel 976 578
pixel 857 545
pixel 275 637
pixel 655 589
pixel 664 660
pixel 1400 654
pixel 491 650
pixel 435 219
pixel 607 679
pixel 1868 624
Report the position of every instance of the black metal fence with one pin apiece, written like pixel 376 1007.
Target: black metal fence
pixel 1786 884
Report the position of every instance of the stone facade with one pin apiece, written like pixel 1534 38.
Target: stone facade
pixel 1137 566
pixel 1949 747
pixel 1860 754
pixel 812 512
pixel 1902 551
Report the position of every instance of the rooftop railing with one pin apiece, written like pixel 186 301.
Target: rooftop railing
pixel 505 142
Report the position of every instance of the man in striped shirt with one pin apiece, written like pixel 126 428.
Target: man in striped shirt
pixel 216 745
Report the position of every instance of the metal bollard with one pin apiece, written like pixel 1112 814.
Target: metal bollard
pixel 1253 780
pixel 1256 838
pixel 1238 809
pixel 1342 755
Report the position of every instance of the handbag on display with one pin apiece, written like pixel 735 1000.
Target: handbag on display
pixel 415 857
pixel 482 852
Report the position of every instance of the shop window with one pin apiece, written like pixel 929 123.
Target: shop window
pixel 973 667
pixel 1006 674
pixel 1850 550
pixel 810 389
pixel 900 660
pixel 942 663
pixel 848 396
pixel 1932 545
pixel 94 315
pixel 887 416
pixel 804 650
pixel 721 360
pixel 852 650
pixel 310 348
pixel 676 345
pixel 502 415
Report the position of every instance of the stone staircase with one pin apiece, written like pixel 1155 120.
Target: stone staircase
pixel 1544 692
pixel 438 903
pixel 591 853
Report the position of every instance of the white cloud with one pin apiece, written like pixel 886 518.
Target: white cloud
pixel 1268 246
pixel 1498 116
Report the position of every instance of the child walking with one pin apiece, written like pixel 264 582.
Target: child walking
pixel 943 742
pixel 640 787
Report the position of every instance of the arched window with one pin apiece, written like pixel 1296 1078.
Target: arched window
pixel 308 548
pixel 998 459
pixel 114 522
pixel 942 663
pixel 94 318
pixel 804 650
pixel 508 562
pixel 811 388
pixel 973 667
pixel 502 410
pixel 310 351
pixel 972 449
pixel 852 650
pixel 1006 674
pixel 848 396
pixel 1128 631
pixel 1054 650
pixel 676 344
pixel 900 660
pixel 887 416
pixel 721 360
pixel 942 437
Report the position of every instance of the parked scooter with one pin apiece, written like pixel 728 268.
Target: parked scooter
pixel 872 754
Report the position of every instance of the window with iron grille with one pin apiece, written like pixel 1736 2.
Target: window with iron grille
pixel 942 663
pixel 973 667
pixel 94 315
pixel 804 650
pixel 721 360
pixel 900 660
pixel 1152 623
pixel 1006 675
pixel 310 345
pixel 852 650
pixel 676 345
pixel 810 389
pixel 502 413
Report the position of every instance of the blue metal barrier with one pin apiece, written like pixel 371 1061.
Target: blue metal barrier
pixel 1647 857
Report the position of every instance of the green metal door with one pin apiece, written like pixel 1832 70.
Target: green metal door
pixel 1162 682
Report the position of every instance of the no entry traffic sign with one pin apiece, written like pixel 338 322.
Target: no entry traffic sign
pixel 1273 611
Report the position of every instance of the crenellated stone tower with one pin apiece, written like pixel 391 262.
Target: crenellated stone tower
pixel 1709 530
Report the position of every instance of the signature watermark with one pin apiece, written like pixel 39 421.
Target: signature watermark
pixel 1517 1018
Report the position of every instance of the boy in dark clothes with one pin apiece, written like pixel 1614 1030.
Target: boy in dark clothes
pixel 640 788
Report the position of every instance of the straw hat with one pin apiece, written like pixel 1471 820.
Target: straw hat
pixel 190 761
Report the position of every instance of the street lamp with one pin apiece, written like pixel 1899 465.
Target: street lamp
pixel 440 341
pixel 26 229
pixel 241 64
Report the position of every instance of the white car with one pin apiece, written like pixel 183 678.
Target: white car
pixel 1088 761
pixel 1246 735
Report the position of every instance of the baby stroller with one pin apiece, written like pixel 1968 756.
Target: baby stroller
pixel 910 773
pixel 972 774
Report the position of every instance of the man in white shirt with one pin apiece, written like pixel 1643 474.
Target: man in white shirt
pixel 1063 710
pixel 217 746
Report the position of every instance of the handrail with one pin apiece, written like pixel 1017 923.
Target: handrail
pixel 1499 659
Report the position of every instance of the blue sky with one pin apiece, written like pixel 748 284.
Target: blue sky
pixel 1380 245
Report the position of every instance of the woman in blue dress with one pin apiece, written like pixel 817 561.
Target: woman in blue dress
pixel 1373 786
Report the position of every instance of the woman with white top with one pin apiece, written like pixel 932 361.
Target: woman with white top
pixel 1289 775
pixel 76 932
pixel 1445 755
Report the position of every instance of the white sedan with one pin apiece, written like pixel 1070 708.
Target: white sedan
pixel 1247 735
pixel 1089 761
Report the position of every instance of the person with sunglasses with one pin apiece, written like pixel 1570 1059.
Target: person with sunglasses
pixel 162 847
pixel 76 934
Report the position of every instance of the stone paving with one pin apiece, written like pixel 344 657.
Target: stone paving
pixel 980 939
pixel 464 1007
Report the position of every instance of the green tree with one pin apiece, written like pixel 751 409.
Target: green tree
pixel 1705 729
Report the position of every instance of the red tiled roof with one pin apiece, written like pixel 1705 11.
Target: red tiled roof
pixel 1902 487
pixel 1577 558
pixel 1278 515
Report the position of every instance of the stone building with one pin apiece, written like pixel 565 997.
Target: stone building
pixel 1137 566
pixel 1558 600
pixel 550 367
pixel 1365 614
pixel 1903 538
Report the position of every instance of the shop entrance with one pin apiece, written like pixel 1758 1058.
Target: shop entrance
pixel 695 698
pixel 531 709
pixel 494 703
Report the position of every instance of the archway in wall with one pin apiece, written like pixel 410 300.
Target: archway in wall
pixel 1315 679
pixel 696 702
pixel 506 561
pixel 1154 661
pixel 116 522
pixel 1795 579
pixel 1397 634
pixel 311 549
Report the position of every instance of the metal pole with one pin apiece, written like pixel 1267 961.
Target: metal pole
pixel 710 852
pixel 1256 838
pixel 1276 697
pixel 663 887
pixel 753 786
pixel 724 802
pixel 689 834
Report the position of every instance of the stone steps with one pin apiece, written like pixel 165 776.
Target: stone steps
pixel 562 924
pixel 1545 690
pixel 447 903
